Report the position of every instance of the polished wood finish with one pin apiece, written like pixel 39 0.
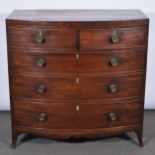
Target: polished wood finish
pixel 65 115
pixel 67 88
pixel 77 63
pixel 59 115
pixel 102 39
pixel 58 63
pixel 76 19
pixel 52 39
pixel 77 15
pixel 56 88
pixel 76 73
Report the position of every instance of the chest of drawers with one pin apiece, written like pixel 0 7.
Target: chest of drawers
pixel 77 73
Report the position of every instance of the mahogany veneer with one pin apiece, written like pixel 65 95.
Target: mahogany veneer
pixel 77 73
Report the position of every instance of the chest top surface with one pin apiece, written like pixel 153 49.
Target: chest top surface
pixel 76 15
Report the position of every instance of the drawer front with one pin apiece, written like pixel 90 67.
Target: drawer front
pixel 111 87
pixel 109 115
pixel 63 116
pixel 44 62
pixel 113 38
pixel 112 62
pixel 44 88
pixel 49 39
pixel 69 63
pixel 44 115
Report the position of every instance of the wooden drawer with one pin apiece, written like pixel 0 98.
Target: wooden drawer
pixel 112 62
pixel 99 88
pixel 118 38
pixel 51 63
pixel 44 115
pixel 92 115
pixel 116 87
pixel 49 39
pixel 62 115
pixel 44 88
pixel 82 63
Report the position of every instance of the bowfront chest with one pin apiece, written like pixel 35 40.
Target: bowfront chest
pixel 76 73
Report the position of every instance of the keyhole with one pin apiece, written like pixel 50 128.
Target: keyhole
pixel 77 108
pixel 77 80
pixel 77 56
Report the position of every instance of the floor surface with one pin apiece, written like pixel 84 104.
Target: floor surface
pixel 125 144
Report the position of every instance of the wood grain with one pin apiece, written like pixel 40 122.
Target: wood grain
pixel 73 86
pixel 77 19
pixel 64 116
pixel 101 39
pixel 68 89
pixel 87 62
pixel 53 39
pixel 60 115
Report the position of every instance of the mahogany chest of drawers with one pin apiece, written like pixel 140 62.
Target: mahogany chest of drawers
pixel 77 73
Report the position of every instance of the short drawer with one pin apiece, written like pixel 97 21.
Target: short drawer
pixel 36 38
pixel 44 115
pixel 93 115
pixel 111 87
pixel 52 63
pixel 119 38
pixel 44 88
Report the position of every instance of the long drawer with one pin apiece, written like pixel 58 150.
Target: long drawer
pixel 88 115
pixel 82 88
pixel 77 63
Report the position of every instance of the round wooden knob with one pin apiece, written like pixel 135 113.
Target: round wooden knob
pixel 114 37
pixel 112 116
pixel 113 88
pixel 41 89
pixel 113 62
pixel 39 38
pixel 41 62
pixel 42 117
